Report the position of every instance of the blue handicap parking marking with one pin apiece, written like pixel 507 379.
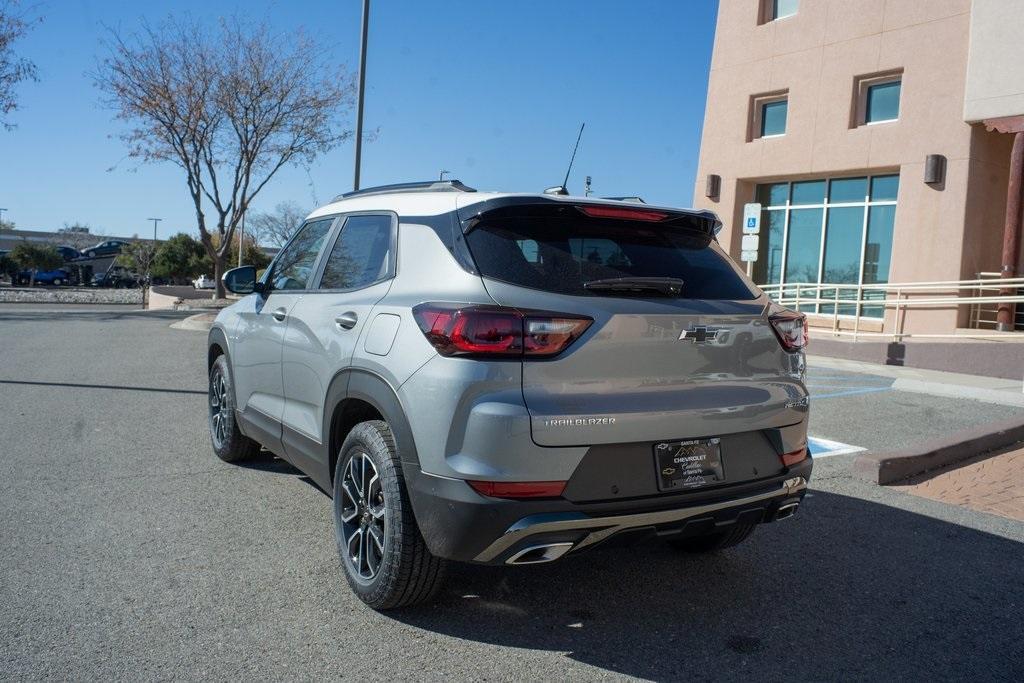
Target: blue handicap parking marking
pixel 836 386
pixel 847 391
pixel 825 448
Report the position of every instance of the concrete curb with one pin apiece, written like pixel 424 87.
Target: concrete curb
pixel 1008 392
pixel 917 386
pixel 893 466
pixel 201 322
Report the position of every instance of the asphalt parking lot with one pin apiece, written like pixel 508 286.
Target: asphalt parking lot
pixel 130 551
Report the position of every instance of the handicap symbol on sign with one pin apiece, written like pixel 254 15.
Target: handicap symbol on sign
pixel 751 221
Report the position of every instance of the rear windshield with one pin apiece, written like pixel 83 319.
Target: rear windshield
pixel 561 255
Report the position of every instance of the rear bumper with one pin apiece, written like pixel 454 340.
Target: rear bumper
pixel 459 524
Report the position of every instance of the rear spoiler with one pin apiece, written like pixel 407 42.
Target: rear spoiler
pixel 692 220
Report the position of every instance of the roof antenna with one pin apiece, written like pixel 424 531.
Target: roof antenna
pixel 562 189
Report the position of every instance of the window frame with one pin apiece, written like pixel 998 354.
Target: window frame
pixel 268 274
pixel 756 116
pixel 862 85
pixel 825 205
pixel 392 270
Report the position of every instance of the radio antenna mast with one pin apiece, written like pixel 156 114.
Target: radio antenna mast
pixel 569 170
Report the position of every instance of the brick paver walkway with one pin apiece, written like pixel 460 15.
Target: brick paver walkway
pixel 989 483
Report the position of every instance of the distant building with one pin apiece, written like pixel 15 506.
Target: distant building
pixel 875 134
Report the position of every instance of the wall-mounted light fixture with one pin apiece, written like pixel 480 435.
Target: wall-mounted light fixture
pixel 934 169
pixel 713 186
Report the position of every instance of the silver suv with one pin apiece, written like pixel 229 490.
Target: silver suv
pixel 508 379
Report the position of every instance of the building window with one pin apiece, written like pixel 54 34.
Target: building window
pixel 768 115
pixel 817 233
pixel 883 102
pixel 784 8
pixel 772 10
pixel 877 98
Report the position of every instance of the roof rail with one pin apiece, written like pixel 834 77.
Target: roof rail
pixel 424 186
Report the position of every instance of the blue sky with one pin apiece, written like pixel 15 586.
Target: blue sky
pixel 492 91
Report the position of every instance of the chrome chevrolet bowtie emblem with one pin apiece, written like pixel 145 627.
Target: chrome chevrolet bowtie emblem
pixel 700 334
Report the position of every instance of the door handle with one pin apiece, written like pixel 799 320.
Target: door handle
pixel 347 320
pixel 280 314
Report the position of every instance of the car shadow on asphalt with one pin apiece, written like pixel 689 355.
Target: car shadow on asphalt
pixel 847 589
pixel 268 462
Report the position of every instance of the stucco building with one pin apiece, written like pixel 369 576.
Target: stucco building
pixel 877 137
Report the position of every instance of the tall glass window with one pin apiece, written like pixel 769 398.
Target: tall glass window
pixel 822 232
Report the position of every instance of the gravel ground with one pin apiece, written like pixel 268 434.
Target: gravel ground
pixel 130 552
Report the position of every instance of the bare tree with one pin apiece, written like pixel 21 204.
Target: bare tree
pixel 138 256
pixel 274 228
pixel 14 24
pixel 229 106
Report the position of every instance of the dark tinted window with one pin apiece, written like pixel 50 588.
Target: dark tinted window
pixel 362 254
pixel 295 264
pixel 560 256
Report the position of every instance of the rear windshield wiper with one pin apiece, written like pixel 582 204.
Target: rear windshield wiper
pixel 669 286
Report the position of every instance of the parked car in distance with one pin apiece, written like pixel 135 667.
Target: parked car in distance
pixel 108 248
pixel 118 276
pixel 68 253
pixel 56 277
pixel 203 282
pixel 508 379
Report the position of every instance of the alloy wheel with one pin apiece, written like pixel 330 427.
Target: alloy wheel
pixel 219 409
pixel 363 516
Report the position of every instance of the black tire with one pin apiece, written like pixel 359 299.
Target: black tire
pixel 405 573
pixel 228 442
pixel 710 543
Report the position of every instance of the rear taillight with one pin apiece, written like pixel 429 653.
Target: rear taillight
pixel 518 489
pixel 791 329
pixel 793 457
pixel 497 331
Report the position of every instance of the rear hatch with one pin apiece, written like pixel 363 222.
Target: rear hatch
pixel 680 347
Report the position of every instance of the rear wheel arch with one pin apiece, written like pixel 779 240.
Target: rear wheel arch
pixel 356 396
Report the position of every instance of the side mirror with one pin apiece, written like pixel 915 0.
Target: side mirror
pixel 242 280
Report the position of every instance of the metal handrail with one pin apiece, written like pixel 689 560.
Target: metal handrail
pixel 945 293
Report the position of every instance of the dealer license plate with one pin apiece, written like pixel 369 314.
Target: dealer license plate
pixel 689 464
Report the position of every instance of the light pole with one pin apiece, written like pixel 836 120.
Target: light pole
pixel 362 84
pixel 155 221
pixel 149 266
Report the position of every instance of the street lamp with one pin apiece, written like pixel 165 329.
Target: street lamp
pixel 149 266
pixel 362 85
pixel 155 221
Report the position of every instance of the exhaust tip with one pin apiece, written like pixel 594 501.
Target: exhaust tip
pixel 538 554
pixel 786 511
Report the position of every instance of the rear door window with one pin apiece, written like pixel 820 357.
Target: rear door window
pixel 560 255
pixel 361 255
